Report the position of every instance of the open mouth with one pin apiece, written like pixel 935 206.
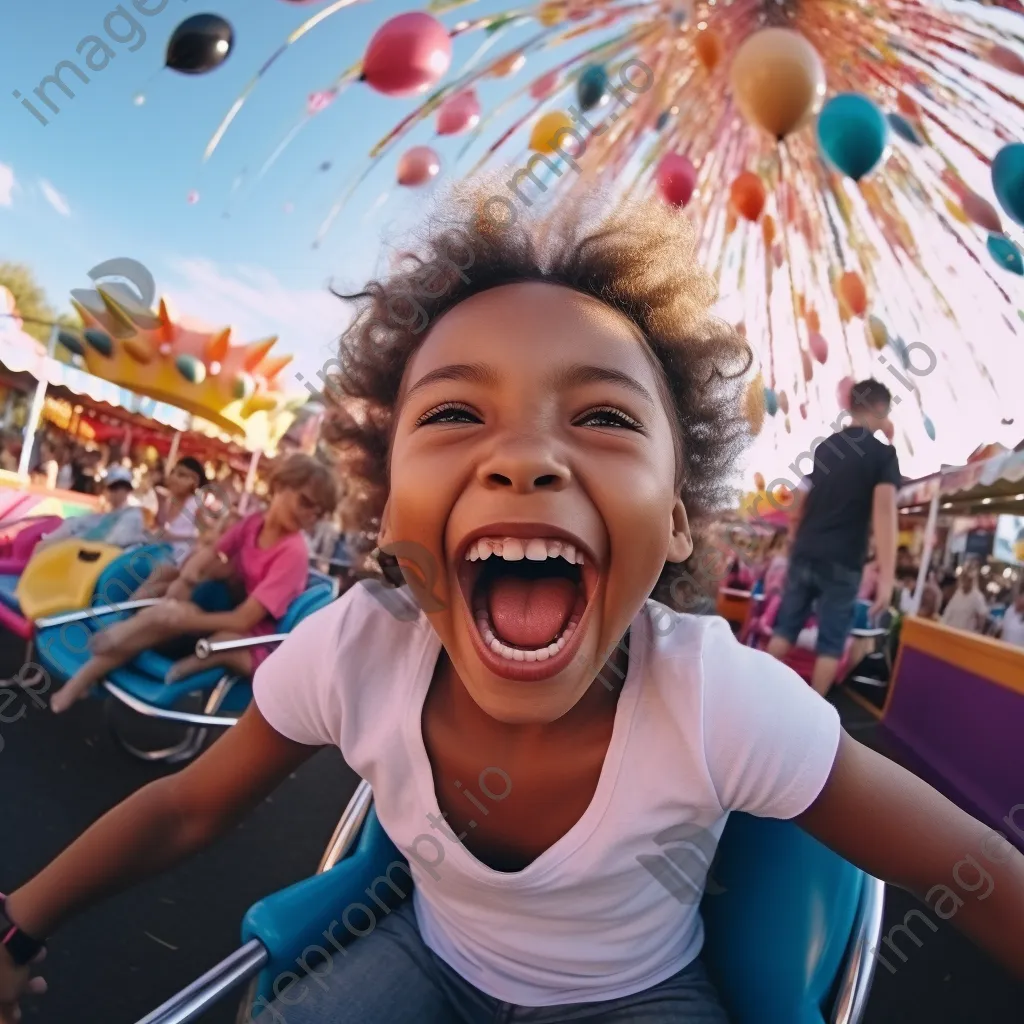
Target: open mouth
pixel 527 598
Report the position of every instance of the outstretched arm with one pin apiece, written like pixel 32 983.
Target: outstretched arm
pixel 151 831
pixel 896 827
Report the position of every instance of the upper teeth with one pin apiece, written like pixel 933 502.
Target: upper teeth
pixel 514 549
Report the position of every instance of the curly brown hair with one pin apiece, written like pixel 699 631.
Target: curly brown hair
pixel 639 259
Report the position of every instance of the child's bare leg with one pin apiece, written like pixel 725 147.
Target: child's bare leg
pixel 150 628
pixel 159 580
pixel 127 632
pixel 239 662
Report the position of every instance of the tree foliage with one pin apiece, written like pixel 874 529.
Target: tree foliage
pixel 33 305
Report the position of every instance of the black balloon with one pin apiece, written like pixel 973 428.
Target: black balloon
pixel 200 44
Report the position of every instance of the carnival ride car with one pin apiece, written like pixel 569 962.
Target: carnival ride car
pixel 790 936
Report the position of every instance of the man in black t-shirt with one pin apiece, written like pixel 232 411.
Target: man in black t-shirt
pixel 852 489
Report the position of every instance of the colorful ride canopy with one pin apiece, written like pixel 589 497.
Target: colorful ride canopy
pixel 235 388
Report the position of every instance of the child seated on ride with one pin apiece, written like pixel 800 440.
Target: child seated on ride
pixel 180 520
pixel 264 556
pixel 123 526
pixel 536 451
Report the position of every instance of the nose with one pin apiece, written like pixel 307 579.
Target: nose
pixel 523 466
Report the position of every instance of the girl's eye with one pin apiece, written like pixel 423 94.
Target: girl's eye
pixel 607 416
pixel 448 412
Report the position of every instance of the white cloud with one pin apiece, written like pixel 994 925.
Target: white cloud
pixel 54 198
pixel 255 304
pixel 7 183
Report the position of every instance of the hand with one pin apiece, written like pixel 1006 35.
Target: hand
pixel 883 598
pixel 14 983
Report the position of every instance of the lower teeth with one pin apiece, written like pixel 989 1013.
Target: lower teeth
pixel 518 654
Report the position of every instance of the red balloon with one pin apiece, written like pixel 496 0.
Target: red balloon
pixel 676 178
pixel 982 212
pixel 1007 59
pixel 458 113
pixel 545 85
pixel 407 55
pixel 417 166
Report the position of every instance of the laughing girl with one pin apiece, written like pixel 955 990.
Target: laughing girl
pixel 545 450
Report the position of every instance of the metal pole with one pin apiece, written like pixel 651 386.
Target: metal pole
pixel 929 544
pixel 36 412
pixel 172 455
pixel 250 482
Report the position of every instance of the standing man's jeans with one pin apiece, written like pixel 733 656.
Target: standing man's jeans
pixel 834 587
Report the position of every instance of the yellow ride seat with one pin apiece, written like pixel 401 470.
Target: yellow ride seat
pixel 62 576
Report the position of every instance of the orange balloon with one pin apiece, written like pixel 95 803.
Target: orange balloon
pixel 748 195
pixel 808 366
pixel 730 221
pixel 813 321
pixel 507 65
pixel 758 482
pixel 852 293
pixel 907 106
pixel 768 230
pixel 708 47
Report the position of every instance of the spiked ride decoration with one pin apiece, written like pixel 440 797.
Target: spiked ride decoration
pixel 234 387
pixel 850 237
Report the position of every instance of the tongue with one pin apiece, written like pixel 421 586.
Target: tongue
pixel 530 613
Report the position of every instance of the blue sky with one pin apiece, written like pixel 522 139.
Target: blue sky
pixel 107 178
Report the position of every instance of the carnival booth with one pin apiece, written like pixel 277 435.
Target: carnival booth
pixel 955 706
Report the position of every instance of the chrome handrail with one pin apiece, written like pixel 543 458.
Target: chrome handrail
pixel 204 647
pixel 348 828
pixel 96 611
pixel 187 717
pixel 851 1002
pixel 245 963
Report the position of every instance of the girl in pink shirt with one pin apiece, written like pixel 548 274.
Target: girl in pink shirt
pixel 264 555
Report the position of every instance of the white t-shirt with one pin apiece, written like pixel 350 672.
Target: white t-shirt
pixel 703 726
pixel 1013 627
pixel 966 611
pixel 184 525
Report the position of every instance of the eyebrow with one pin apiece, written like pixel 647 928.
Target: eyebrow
pixel 471 373
pixel 577 375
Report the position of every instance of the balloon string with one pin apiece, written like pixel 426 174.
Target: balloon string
pixel 305 27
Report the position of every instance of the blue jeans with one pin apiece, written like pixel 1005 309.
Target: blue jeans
pixel 391 977
pixel 834 587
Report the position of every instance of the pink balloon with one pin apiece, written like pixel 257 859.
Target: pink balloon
pixel 778 256
pixel 818 346
pixel 803 410
pixel 844 392
pixel 407 55
pixel 458 113
pixel 784 402
pixel 676 178
pixel 417 166
pixel 544 86
pixel 1007 59
pixel 982 212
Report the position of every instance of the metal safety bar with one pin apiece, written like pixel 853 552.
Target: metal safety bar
pixel 855 985
pixel 186 717
pixel 98 610
pixel 348 827
pixel 204 647
pixel 204 992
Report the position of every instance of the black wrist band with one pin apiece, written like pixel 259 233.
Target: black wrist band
pixel 21 946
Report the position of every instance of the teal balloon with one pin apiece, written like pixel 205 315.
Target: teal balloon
pixel 591 86
pixel 1008 180
pixel 904 129
pixel 99 340
pixel 771 402
pixel 853 134
pixel 191 369
pixel 900 348
pixel 929 428
pixel 71 342
pixel 663 119
pixel 1006 254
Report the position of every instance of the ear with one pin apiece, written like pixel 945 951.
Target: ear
pixel 680 545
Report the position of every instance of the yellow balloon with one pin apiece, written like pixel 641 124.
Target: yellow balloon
pixel 549 132
pixel 955 212
pixel 879 332
pixel 778 80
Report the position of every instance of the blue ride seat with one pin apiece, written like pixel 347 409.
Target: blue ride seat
pixel 790 929
pixel 63 649
pixel 788 939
